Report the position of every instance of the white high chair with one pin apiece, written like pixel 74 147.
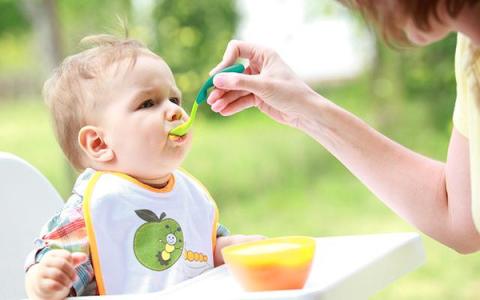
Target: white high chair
pixel 27 200
pixel 345 268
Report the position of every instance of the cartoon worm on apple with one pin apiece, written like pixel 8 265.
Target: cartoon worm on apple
pixel 158 243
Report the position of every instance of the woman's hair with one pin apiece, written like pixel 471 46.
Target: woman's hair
pixel 391 20
pixel 72 91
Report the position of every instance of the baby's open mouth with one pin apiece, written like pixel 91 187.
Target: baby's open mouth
pixel 176 138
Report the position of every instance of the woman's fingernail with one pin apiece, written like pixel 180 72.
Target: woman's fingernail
pixel 210 99
pixel 224 114
pixel 213 71
pixel 219 80
pixel 217 106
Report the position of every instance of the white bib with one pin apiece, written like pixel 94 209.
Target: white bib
pixel 144 239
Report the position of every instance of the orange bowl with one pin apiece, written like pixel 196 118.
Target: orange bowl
pixel 272 264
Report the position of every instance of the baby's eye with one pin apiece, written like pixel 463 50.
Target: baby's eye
pixel 174 100
pixel 146 104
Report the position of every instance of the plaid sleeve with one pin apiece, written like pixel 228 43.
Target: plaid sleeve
pixel 222 230
pixel 66 230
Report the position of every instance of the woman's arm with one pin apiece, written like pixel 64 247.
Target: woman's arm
pixel 433 196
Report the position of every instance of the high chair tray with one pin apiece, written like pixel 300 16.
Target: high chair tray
pixel 345 267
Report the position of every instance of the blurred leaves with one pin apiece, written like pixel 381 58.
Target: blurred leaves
pixel 315 8
pixel 12 19
pixel 428 74
pixel 424 76
pixel 191 36
pixel 81 18
pixel 274 181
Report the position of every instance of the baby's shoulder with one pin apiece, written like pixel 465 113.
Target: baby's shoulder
pixel 184 177
pixel 71 213
pixel 192 183
pixel 73 208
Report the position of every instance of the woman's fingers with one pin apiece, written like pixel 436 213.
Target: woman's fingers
pixel 240 104
pixel 218 94
pixel 227 98
pixel 229 57
pixel 238 49
pixel 267 83
pixel 215 95
pixel 235 82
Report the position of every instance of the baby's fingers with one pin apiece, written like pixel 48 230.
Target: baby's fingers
pixel 78 258
pixel 63 263
pixel 49 285
pixel 59 276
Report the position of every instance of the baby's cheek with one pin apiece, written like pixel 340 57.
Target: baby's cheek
pixel 188 145
pixel 185 149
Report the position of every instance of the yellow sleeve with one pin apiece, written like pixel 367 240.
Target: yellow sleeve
pixel 460 114
pixel 474 135
pixel 466 117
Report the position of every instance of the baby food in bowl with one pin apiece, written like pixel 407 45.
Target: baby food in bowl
pixel 272 264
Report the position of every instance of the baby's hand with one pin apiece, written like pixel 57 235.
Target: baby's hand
pixel 53 276
pixel 229 240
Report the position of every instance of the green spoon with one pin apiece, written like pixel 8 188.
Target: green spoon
pixel 201 97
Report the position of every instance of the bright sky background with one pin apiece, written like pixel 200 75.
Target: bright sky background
pixel 318 46
pixel 322 47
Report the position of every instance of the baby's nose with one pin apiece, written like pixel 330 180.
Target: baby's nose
pixel 175 115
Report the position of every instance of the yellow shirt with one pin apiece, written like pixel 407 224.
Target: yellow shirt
pixel 466 117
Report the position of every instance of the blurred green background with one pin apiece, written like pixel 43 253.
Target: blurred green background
pixel 274 181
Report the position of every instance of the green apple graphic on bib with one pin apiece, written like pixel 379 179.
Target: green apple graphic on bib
pixel 158 243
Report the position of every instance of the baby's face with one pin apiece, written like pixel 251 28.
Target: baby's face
pixel 140 107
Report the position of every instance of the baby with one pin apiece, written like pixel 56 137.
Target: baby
pixel 134 223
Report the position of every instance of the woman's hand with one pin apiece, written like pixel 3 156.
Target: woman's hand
pixel 229 240
pixel 268 83
pixel 53 276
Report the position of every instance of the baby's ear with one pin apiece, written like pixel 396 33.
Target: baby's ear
pixel 93 144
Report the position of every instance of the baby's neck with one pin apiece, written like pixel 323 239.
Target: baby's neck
pixel 157 183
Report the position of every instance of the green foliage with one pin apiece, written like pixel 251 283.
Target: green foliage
pixel 15 42
pixel 428 75
pixel 419 75
pixel 191 36
pixel 273 181
pixel 277 181
pixel 81 18
pixel 12 19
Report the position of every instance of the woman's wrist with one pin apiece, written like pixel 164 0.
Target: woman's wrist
pixel 315 115
pixel 331 125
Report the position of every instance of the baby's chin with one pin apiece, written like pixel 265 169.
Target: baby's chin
pixel 180 148
pixel 175 158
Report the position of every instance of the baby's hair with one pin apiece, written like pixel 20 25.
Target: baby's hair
pixel 72 91
pixel 390 25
